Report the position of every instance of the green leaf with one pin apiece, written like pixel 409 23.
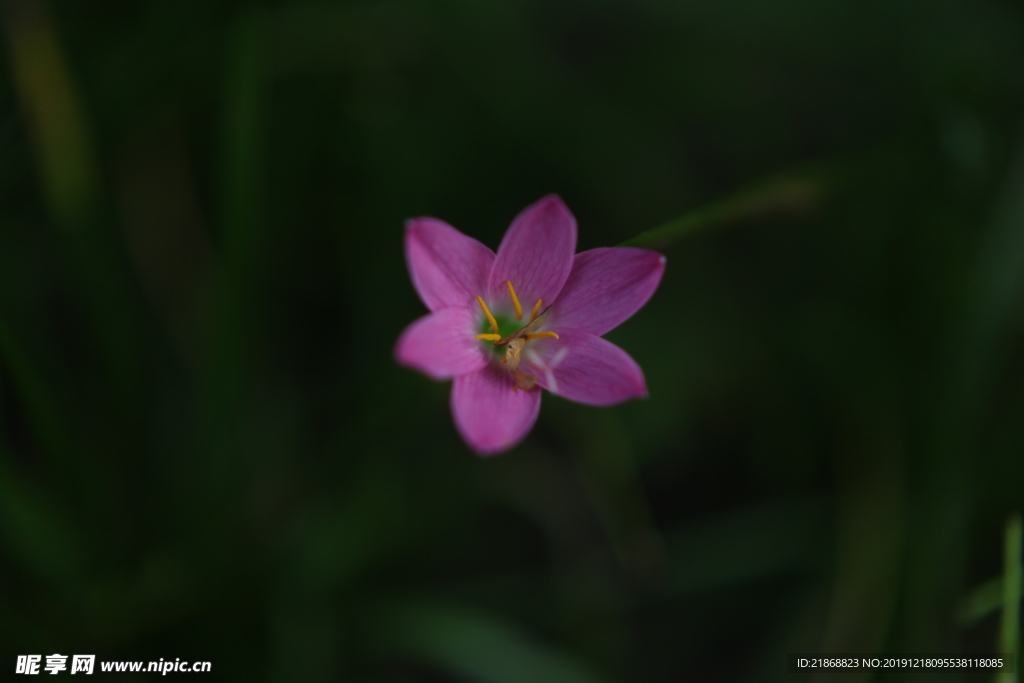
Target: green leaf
pixel 479 647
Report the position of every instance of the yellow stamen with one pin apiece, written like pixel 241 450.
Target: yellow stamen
pixel 538 335
pixel 488 337
pixel 490 318
pixel 515 300
pixel 536 310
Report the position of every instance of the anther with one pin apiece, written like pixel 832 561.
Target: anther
pixel 515 300
pixel 538 335
pixel 490 318
pixel 536 310
pixel 488 337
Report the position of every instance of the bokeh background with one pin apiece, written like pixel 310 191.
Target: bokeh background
pixel 208 453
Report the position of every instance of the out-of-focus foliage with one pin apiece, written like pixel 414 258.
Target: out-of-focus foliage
pixel 207 452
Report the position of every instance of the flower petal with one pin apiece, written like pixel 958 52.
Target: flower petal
pixel 582 367
pixel 441 344
pixel 447 267
pixel 536 252
pixel 606 287
pixel 490 412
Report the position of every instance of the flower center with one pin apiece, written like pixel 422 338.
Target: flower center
pixel 506 324
pixel 515 342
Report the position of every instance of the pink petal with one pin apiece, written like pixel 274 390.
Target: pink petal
pixel 441 344
pixel 490 413
pixel 606 287
pixel 583 367
pixel 447 267
pixel 536 253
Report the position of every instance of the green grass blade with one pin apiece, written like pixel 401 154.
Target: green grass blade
pixel 1009 630
pixel 795 193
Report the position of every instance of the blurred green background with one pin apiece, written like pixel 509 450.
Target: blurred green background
pixel 208 453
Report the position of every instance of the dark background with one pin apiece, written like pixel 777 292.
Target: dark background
pixel 208 453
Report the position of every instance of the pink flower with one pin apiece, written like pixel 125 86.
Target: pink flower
pixel 481 301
